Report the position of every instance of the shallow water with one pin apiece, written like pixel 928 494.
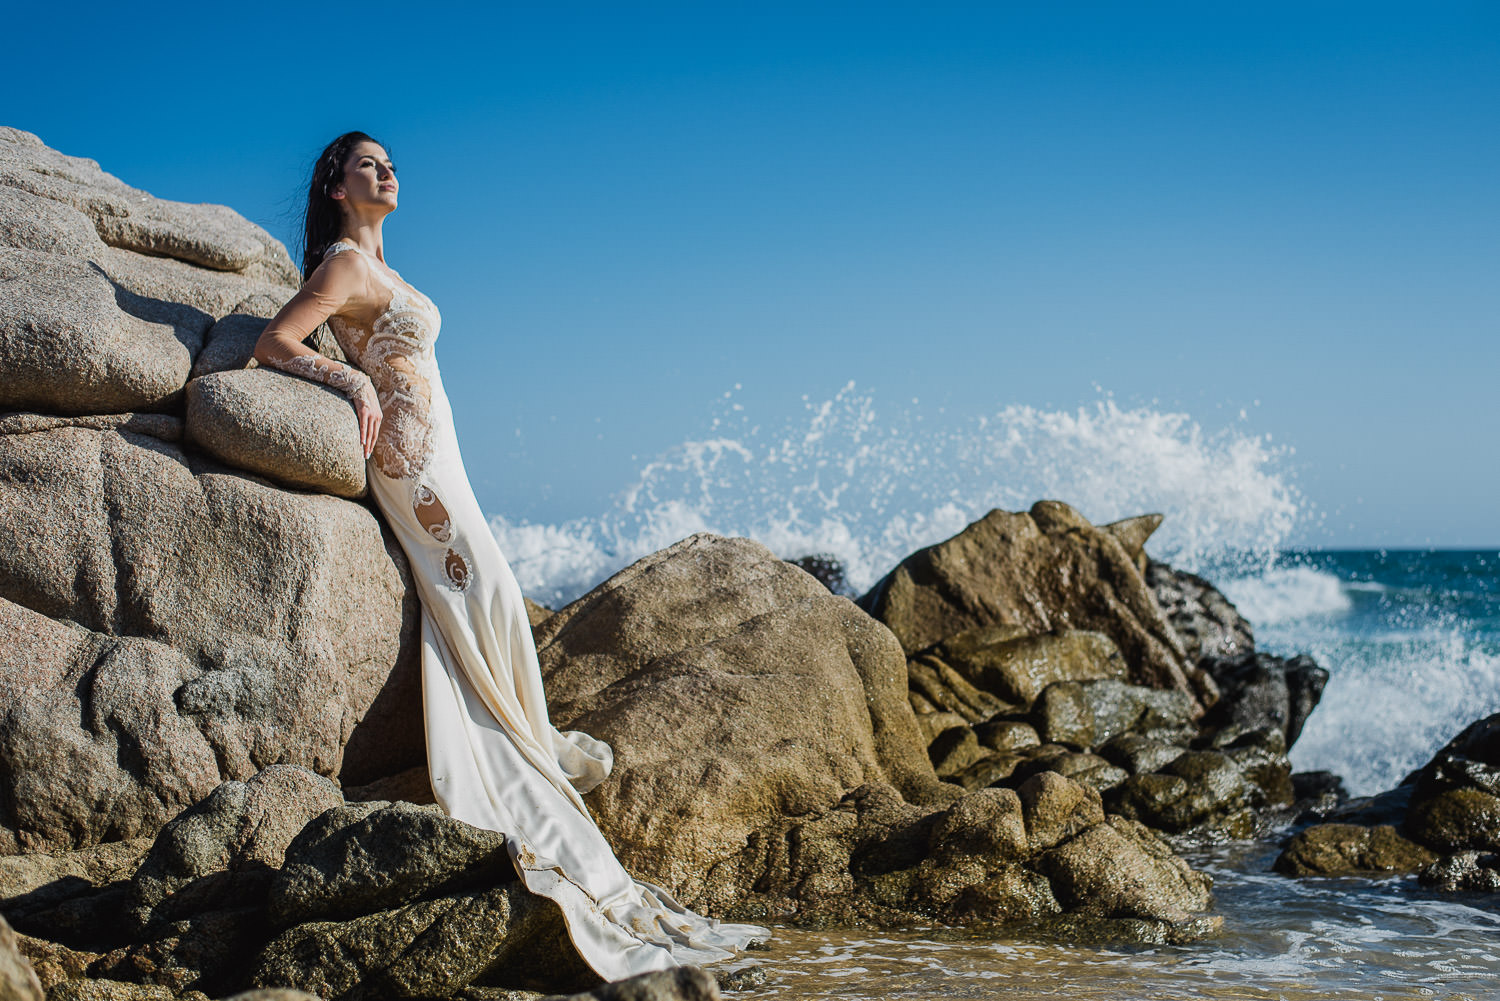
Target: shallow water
pixel 1282 939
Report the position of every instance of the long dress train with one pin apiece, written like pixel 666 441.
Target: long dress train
pixel 495 759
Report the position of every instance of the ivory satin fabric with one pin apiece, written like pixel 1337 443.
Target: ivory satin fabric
pixel 495 759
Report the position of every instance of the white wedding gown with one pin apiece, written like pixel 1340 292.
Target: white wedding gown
pixel 495 759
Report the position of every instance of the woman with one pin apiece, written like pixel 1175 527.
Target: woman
pixel 494 757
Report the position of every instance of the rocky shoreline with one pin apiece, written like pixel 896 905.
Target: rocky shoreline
pixel 213 777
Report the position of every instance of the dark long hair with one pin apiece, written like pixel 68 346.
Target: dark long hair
pixel 322 221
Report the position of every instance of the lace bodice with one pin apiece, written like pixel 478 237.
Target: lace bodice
pixel 395 351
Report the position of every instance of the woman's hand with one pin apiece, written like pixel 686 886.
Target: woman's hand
pixel 368 413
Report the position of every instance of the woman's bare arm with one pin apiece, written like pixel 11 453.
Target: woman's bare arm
pixel 336 284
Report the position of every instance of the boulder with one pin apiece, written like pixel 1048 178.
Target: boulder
pixel 72 341
pixel 1088 714
pixel 502 936
pixel 228 846
pixel 176 625
pixel 369 857
pixel 1258 690
pixel 1120 869
pixel 685 983
pixel 1350 849
pixel 1016 666
pixel 1471 871
pixel 1205 621
pixel 1041 571
pixel 292 430
pixel 211 236
pixel 736 691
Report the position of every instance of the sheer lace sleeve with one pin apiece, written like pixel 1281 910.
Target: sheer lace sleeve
pixel 329 289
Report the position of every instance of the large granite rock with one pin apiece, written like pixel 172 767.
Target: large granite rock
pixel 736 691
pixel 1207 622
pixel 228 846
pixel 174 625
pixel 18 981
pixel 1042 571
pixel 211 236
pixel 289 429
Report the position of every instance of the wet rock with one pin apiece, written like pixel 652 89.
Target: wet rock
pixel 1258 690
pixel 1455 820
pixel 1120 869
pixel 289 429
pixel 1054 808
pixel 1089 714
pixel 1196 790
pixel 1205 621
pixel 1041 571
pixel 826 568
pixel 1470 760
pixel 1139 755
pixel 227 847
pixel 1007 735
pixel 949 691
pixel 1016 666
pixel 1473 871
pixel 1318 794
pixel 988 770
pixel 933 724
pixel 685 983
pixel 1349 849
pixel 357 859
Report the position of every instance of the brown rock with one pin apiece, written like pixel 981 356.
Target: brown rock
pixel 95 865
pixel 1056 808
pixel 685 983
pixel 1017 666
pixel 1350 849
pixel 292 430
pixel 1120 869
pixel 735 690
pixel 1043 571
pixel 163 426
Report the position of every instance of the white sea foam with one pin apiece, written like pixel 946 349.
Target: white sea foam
pixel 869 488
pixel 1280 594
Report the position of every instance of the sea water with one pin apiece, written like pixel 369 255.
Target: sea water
pixel 1411 640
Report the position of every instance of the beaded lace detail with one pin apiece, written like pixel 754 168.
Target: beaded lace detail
pixel 396 352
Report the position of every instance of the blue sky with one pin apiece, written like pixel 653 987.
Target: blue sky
pixel 626 210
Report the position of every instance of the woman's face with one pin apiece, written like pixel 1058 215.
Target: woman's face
pixel 369 180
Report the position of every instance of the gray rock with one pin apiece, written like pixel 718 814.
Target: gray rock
pixel 212 236
pixel 177 625
pixel 37 223
pixel 72 341
pixel 1196 790
pixel 1207 622
pixel 162 426
pixel 1139 755
pixel 292 430
pixel 502 936
pixel 227 847
pixel 367 857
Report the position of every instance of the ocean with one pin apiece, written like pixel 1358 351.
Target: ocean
pixel 1411 639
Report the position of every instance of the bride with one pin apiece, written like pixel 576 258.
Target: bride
pixel 494 757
